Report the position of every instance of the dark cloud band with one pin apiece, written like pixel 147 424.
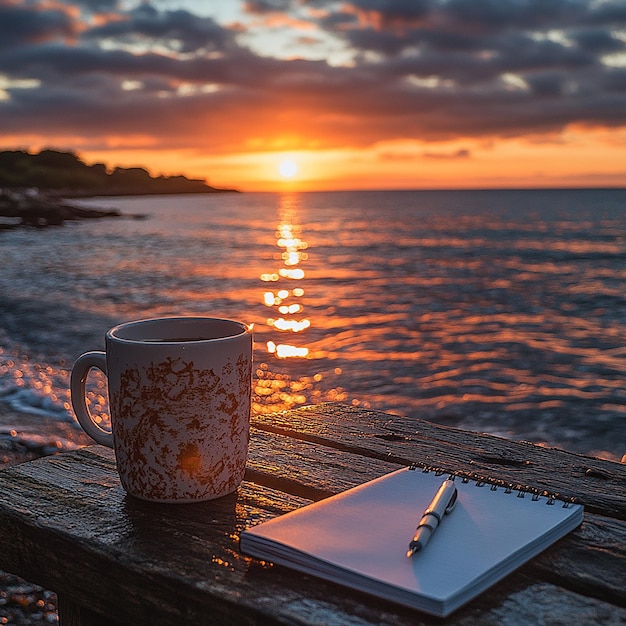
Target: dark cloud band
pixel 427 69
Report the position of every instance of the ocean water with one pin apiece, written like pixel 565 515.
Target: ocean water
pixel 496 311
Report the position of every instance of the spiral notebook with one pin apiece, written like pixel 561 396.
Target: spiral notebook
pixel 359 538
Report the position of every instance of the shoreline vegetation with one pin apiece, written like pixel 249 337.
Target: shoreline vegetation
pixel 35 187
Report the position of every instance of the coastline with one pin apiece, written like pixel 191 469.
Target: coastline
pixel 50 207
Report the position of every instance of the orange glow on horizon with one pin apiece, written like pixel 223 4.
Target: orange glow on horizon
pixel 577 158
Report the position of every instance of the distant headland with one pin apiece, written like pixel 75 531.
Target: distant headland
pixel 34 186
pixel 64 174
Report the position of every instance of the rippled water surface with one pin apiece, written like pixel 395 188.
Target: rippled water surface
pixel 499 311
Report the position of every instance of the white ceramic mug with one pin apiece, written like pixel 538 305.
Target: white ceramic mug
pixel 179 397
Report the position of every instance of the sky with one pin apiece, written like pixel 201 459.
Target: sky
pixel 324 94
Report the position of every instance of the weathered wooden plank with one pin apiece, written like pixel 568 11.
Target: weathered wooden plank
pixel 146 563
pixel 591 560
pixel 541 603
pixel 130 540
pixel 600 484
pixel 307 469
pixel 128 558
pixel 154 554
pixel 72 614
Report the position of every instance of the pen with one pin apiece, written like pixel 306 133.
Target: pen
pixel 441 504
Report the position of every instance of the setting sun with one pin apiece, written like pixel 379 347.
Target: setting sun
pixel 288 168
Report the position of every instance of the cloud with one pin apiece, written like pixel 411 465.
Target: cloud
pixel 22 24
pixel 422 70
pixel 596 40
pixel 461 153
pixel 178 30
pixel 411 154
pixel 99 6
pixel 262 7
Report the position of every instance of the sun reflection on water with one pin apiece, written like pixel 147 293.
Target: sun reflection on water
pixel 286 377
pixel 286 296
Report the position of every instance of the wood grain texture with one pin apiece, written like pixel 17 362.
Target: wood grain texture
pixel 67 524
pixel 600 484
pixel 72 614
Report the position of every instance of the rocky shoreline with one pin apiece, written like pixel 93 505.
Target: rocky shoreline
pixel 31 207
pixel 25 604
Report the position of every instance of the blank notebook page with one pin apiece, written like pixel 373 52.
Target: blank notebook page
pixel 367 530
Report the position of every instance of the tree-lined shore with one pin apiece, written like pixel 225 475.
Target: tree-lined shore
pixel 35 187
pixel 65 174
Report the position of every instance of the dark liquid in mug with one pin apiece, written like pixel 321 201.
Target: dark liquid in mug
pixel 175 339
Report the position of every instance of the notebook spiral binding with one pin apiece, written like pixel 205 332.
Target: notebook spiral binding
pixel 497 483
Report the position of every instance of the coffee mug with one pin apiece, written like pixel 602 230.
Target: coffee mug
pixel 179 398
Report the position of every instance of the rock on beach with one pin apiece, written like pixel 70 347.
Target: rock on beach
pixel 31 207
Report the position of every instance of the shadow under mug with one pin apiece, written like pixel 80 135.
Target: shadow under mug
pixel 179 398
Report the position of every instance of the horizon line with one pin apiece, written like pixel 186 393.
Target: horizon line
pixel 430 189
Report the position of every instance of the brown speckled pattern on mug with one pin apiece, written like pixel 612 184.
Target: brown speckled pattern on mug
pixel 197 452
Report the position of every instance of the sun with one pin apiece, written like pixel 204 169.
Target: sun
pixel 288 168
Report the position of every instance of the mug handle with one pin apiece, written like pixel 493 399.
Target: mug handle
pixel 80 371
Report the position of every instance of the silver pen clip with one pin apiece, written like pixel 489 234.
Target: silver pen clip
pixel 452 502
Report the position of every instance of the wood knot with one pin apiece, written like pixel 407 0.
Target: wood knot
pixel 503 460
pixel 393 437
pixel 594 472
